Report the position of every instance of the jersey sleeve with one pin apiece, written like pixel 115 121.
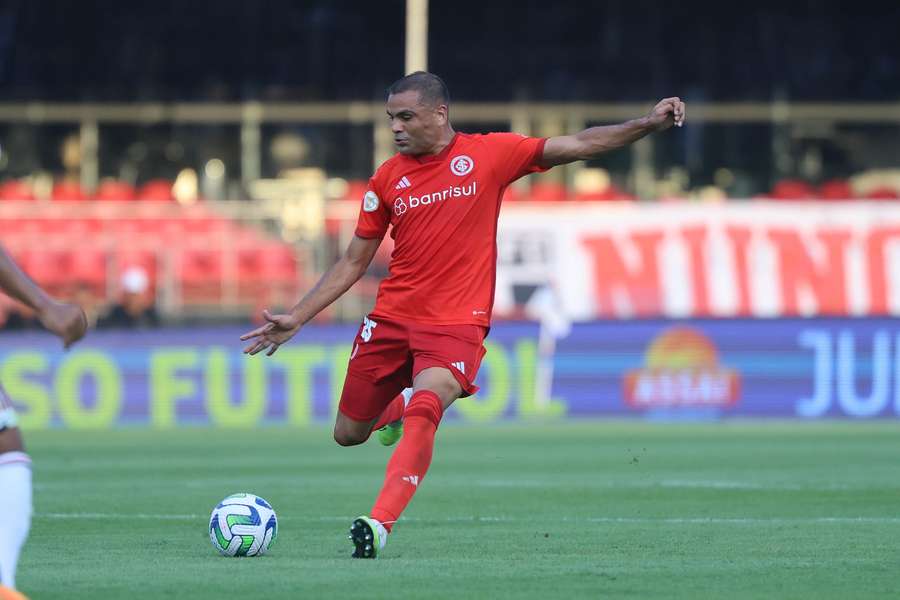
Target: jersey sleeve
pixel 374 214
pixel 515 155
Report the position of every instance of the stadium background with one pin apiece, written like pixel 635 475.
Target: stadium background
pixel 203 178
pixel 746 265
pixel 176 166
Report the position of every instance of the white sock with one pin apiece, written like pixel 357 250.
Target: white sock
pixel 15 511
pixel 407 394
pixel 382 534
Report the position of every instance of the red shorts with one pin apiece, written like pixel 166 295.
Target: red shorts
pixel 387 355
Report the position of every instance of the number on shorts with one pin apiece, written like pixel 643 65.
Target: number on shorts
pixel 368 326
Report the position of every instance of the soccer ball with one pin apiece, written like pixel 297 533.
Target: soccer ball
pixel 243 525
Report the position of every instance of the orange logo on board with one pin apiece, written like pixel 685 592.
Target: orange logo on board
pixel 681 369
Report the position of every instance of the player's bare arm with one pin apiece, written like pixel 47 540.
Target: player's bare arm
pixel 67 321
pixel 337 280
pixel 595 141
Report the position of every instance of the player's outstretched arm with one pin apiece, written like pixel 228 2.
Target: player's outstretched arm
pixel 337 280
pixel 594 141
pixel 67 321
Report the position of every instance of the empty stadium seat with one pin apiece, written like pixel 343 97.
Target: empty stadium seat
pixel 356 189
pixel 156 190
pixel 15 189
pixel 882 193
pixel 836 189
pixel 113 190
pixel 68 191
pixel 548 191
pixel 200 275
pixel 792 189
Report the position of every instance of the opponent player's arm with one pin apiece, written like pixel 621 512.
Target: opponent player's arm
pixel 594 141
pixel 18 285
pixel 337 280
pixel 67 321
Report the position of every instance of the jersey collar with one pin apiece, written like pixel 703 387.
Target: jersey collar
pixel 427 158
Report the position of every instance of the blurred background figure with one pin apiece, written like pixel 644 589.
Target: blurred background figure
pixel 136 308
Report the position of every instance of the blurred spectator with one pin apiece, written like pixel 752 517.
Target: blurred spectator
pixel 68 188
pixel 19 317
pixel 136 308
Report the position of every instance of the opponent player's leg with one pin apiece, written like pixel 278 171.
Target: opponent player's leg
pixel 15 493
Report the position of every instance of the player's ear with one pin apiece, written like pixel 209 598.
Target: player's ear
pixel 443 114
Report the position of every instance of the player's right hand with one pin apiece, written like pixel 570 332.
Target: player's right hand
pixel 277 330
pixel 67 321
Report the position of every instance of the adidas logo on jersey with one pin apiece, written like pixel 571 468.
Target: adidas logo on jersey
pixel 403 184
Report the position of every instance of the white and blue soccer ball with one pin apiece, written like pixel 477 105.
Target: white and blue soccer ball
pixel 243 525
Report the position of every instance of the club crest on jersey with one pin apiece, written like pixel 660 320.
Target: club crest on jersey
pixel 370 201
pixel 461 165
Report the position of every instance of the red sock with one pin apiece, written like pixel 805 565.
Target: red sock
pixel 410 460
pixel 393 412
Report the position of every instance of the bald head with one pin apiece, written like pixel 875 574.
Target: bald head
pixel 431 89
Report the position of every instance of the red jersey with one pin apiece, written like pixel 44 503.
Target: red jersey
pixel 444 210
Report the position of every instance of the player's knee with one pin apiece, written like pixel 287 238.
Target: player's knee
pixel 348 438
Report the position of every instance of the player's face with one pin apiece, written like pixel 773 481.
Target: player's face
pixel 417 128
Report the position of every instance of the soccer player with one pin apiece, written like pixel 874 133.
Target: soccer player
pixel 441 196
pixel 69 323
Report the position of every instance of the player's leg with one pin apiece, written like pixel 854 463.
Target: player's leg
pixel 390 423
pixel 379 368
pixel 446 362
pixel 15 493
pixel 362 403
pixel 434 389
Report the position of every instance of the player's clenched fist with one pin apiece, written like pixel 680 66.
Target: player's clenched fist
pixel 668 112
pixel 67 321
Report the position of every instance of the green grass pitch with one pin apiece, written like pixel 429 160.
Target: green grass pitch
pixel 598 509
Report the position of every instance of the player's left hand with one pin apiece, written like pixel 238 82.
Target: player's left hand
pixel 277 330
pixel 667 112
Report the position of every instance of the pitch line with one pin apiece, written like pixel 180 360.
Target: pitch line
pixel 505 519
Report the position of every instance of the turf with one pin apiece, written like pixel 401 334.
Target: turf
pixel 612 510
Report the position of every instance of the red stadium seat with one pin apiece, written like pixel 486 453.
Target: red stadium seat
pixel 49 268
pixel 836 189
pixel 512 194
pixel 792 189
pixel 89 266
pixel 14 189
pixel 882 193
pixel 112 190
pixel 608 194
pixel 356 189
pixel 200 273
pixel 156 190
pixel 267 273
pixel 67 191
pixel 548 191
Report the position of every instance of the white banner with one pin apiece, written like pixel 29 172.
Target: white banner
pixel 760 259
